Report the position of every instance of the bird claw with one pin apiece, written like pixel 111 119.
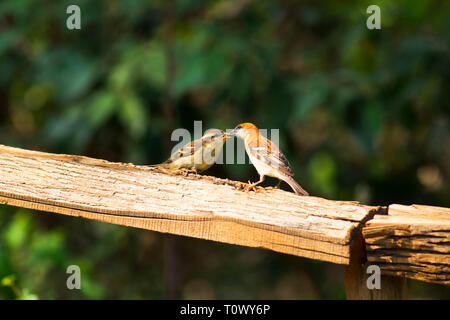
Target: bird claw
pixel 253 187
pixel 248 188
pixel 261 189
pixel 185 172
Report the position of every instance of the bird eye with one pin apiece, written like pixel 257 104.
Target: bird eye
pixel 239 127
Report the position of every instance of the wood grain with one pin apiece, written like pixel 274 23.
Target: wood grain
pixel 195 206
pixel 411 241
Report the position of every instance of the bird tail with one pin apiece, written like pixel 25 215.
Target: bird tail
pixel 159 165
pixel 164 165
pixel 296 187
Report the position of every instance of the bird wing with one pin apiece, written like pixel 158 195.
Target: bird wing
pixel 186 151
pixel 266 151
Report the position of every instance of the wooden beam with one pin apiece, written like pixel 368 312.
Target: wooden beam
pixel 195 206
pixel 411 241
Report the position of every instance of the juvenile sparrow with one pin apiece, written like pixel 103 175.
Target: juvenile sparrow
pixel 197 155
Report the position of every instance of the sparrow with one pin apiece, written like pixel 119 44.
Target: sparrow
pixel 266 157
pixel 197 155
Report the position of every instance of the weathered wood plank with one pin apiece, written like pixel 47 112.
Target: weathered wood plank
pixel 196 206
pixel 411 241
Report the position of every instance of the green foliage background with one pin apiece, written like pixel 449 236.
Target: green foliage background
pixel 363 115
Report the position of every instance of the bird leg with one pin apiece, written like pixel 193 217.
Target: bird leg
pixel 253 185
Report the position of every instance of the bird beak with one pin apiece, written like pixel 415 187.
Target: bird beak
pixel 232 133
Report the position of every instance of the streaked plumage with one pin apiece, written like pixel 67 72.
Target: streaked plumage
pixel 197 155
pixel 266 157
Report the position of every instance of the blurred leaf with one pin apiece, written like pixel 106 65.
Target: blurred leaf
pixel 133 115
pixel 322 170
pixel 17 231
pixel 92 288
pixel 47 248
pixel 153 64
pixel 27 295
pixel 199 69
pixel 70 72
pixel 372 120
pixel 120 76
pixel 313 92
pixel 8 39
pixel 101 107
pixel 18 8
pixel 8 280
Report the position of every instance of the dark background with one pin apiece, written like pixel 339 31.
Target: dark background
pixel 363 115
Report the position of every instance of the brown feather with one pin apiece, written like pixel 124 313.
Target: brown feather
pixel 265 150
